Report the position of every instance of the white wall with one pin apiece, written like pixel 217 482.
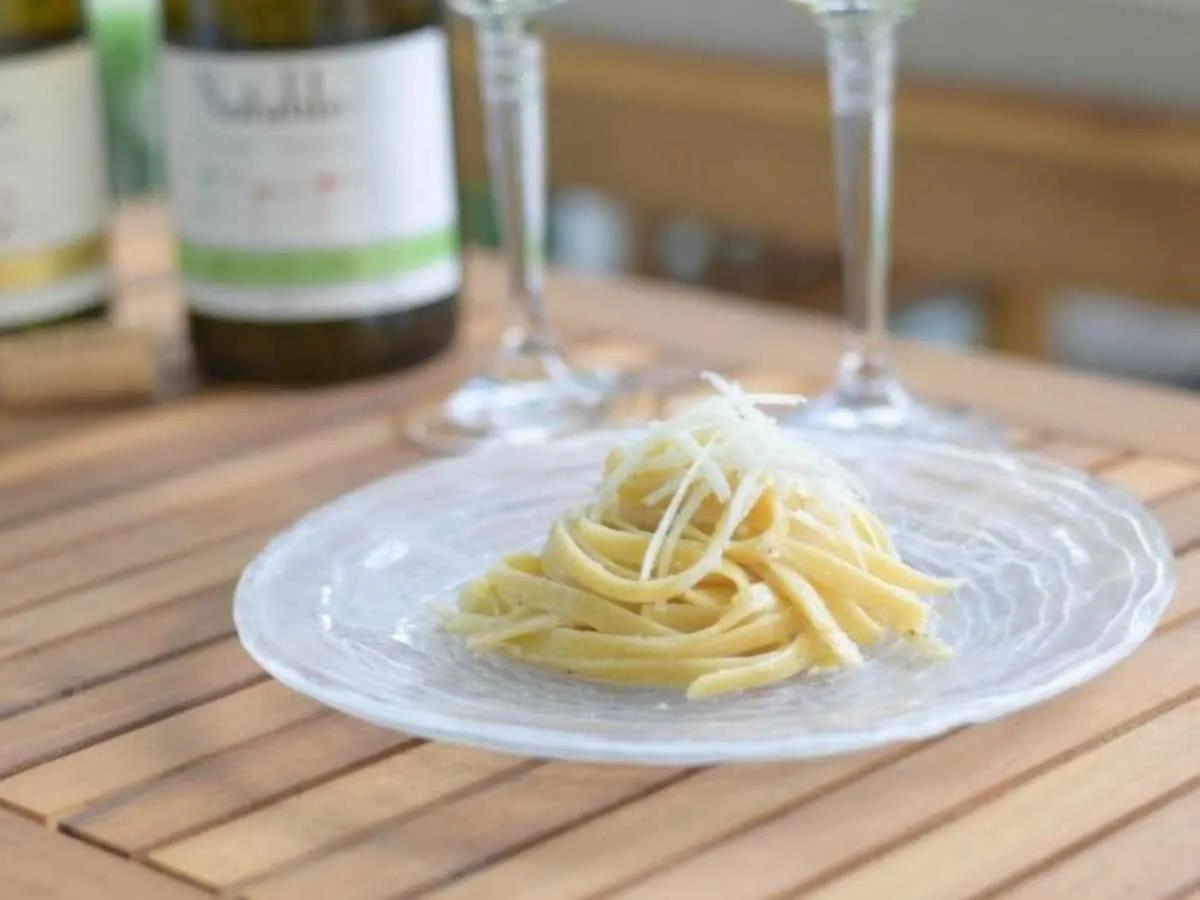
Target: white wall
pixel 1136 51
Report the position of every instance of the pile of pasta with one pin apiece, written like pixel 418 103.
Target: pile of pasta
pixel 722 552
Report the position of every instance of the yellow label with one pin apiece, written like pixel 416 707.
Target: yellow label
pixel 42 268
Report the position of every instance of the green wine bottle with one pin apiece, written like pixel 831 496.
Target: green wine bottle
pixel 54 192
pixel 311 161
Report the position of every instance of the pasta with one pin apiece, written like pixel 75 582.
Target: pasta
pixel 721 553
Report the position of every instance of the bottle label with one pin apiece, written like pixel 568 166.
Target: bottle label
pixel 54 197
pixel 314 184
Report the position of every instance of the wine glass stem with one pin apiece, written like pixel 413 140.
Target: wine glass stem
pixel 512 83
pixel 862 69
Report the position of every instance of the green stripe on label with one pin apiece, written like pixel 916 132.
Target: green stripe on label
pixel 315 267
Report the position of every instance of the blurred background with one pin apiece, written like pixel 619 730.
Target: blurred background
pixel 1048 172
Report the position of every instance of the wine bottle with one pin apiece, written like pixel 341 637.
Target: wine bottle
pixel 54 191
pixel 311 163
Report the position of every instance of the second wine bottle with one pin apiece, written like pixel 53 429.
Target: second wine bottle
pixel 311 158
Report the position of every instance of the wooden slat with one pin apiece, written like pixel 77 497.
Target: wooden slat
pixel 161 582
pixel 104 558
pixel 116 435
pixel 233 783
pixel 68 783
pixel 1152 477
pixel 1041 817
pixel 757 382
pixel 1181 517
pixel 1187 597
pixel 37 864
pixel 93 715
pixel 450 839
pixel 1154 857
pixel 606 851
pixel 228 430
pixel 286 460
pixel 621 353
pixel 1080 454
pixel 331 813
pixel 79 662
pixel 22 430
pixel 124 551
pixel 915 793
pixel 232 430
pixel 145 589
pixel 832 827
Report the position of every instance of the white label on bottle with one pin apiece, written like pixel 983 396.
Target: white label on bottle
pixel 54 197
pixel 314 184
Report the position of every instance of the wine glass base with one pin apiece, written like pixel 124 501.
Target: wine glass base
pixel 910 418
pixel 485 410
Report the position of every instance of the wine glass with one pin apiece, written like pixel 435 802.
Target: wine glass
pixel 529 392
pixel 867 394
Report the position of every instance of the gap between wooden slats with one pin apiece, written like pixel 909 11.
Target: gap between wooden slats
pixel 1181 517
pixel 251 776
pixel 247 421
pixel 746 786
pixel 1151 858
pixel 47 732
pixel 120 553
pixel 228 432
pixel 1080 454
pixel 81 611
pixel 1031 822
pixel 51 790
pixel 434 847
pixel 20 431
pixel 275 463
pixel 332 813
pixel 117 433
pixel 111 651
pixel 41 865
pixel 213 562
pixel 1154 477
pixel 939 784
pixel 719 803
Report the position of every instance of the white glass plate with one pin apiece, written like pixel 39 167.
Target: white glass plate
pixel 1066 576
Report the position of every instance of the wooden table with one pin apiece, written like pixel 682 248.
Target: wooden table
pixel 143 756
